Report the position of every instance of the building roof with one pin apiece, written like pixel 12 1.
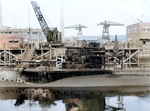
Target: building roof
pixel 143 23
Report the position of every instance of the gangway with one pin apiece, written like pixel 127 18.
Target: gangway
pixel 27 56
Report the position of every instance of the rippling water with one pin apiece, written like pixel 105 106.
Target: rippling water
pixel 75 99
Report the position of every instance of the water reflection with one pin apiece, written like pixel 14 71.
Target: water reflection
pixel 50 99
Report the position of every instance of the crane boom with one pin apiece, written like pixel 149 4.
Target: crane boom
pixel 111 23
pixel 76 26
pixel 52 36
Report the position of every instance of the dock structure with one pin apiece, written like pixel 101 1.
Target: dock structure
pixel 9 56
pixel 55 57
pixel 46 64
pixel 129 57
pixel 27 56
pixel 31 56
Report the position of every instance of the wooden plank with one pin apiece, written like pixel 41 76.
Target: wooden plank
pixel 131 56
pixel 42 55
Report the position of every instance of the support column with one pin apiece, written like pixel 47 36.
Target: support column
pixel 9 58
pixel 50 54
pixel 108 59
pixel 0 57
pixel 138 57
pixel 21 52
pixel 42 53
pixel 104 62
pixel 0 16
pixel 123 59
pixel 4 58
pixel 129 58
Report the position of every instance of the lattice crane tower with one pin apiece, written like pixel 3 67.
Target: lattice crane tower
pixel 106 24
pixel 77 27
pixel 52 36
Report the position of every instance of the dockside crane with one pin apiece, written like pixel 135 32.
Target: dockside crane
pixel 106 25
pixel 52 35
pixel 78 27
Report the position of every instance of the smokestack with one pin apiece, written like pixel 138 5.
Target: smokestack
pixel 0 15
pixel 62 20
pixel 116 47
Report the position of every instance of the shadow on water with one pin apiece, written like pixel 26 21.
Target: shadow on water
pixel 72 99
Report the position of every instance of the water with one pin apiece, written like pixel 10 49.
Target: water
pixel 75 99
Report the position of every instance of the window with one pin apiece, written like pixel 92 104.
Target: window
pixel 128 31
pixel 148 29
pixel 135 29
pixel 16 41
pixel 11 41
pixel 132 30
pixel 144 29
pixel 34 32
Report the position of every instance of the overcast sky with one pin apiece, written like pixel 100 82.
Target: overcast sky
pixel 15 13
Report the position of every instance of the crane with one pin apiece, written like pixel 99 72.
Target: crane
pixel 77 27
pixel 52 35
pixel 106 25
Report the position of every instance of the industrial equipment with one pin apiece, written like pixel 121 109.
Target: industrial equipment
pixel 77 27
pixel 106 24
pixel 52 35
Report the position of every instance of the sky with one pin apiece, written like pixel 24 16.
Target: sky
pixel 20 14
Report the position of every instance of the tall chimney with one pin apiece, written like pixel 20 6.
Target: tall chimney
pixel 0 15
pixel 62 20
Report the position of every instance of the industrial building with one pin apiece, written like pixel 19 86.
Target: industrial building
pixel 9 41
pixel 34 34
pixel 138 34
